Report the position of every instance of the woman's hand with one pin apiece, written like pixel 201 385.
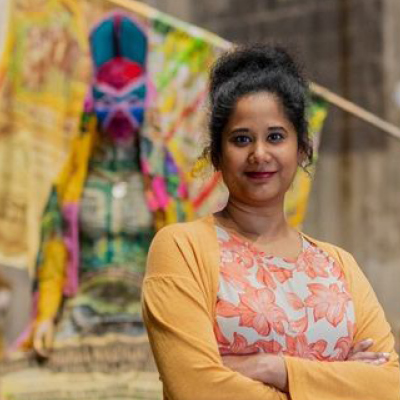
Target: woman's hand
pixel 43 337
pixel 358 353
pixel 266 368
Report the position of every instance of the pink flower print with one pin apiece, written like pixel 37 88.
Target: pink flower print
pixel 246 259
pixel 299 347
pixel 236 246
pixel 345 343
pixel 239 346
pixel 281 274
pixel 269 346
pixel 257 310
pixel 221 339
pixel 337 271
pixel 233 272
pixel 227 256
pixel 313 262
pixel 264 277
pixel 329 303
pixel 301 325
pixel 226 309
pixel 294 301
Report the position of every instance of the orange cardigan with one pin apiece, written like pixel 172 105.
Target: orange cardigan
pixel 179 298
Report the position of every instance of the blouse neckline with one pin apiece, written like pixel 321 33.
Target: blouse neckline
pixel 240 239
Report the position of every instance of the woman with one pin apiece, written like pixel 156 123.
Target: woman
pixel 239 305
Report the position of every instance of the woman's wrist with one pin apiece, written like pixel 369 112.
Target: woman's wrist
pixel 273 372
pixel 266 368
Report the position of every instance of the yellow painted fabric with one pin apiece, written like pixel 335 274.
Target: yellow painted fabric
pixel 51 276
pixel 44 75
pixel 71 180
pixel 179 297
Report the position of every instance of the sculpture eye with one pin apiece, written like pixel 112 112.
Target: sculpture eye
pixel 105 101
pixel 133 101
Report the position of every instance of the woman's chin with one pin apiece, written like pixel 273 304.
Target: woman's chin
pixel 259 199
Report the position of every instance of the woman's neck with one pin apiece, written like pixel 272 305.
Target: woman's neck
pixel 256 223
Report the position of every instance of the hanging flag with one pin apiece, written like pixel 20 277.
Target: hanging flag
pixel 41 98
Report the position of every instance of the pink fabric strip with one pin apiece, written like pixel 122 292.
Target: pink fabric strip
pixel 71 240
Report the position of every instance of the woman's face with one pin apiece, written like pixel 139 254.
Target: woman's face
pixel 259 151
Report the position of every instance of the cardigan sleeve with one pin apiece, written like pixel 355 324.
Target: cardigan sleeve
pixel 352 380
pixel 180 329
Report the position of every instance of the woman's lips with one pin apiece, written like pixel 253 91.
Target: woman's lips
pixel 260 175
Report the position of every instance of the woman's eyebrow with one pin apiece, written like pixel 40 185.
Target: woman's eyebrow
pixel 239 130
pixel 247 130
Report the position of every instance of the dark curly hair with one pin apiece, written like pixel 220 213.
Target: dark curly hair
pixel 251 69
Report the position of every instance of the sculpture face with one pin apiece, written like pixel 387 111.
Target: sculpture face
pixel 119 48
pixel 119 93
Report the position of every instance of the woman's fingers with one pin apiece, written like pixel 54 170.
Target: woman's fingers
pixel 43 337
pixel 361 346
pixel 370 357
pixel 358 353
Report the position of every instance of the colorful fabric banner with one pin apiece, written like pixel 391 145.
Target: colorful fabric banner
pixel 41 98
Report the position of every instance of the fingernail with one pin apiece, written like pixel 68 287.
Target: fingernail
pixel 367 341
pixel 387 355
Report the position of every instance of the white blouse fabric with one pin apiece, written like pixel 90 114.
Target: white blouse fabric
pixel 298 307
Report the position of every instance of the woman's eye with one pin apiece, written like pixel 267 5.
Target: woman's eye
pixel 275 137
pixel 241 139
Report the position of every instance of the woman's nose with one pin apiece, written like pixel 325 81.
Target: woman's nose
pixel 260 153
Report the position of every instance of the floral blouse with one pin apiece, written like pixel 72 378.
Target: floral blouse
pixel 298 307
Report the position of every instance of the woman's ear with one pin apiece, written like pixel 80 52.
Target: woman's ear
pixel 301 158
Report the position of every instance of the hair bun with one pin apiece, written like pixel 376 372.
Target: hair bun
pixel 252 59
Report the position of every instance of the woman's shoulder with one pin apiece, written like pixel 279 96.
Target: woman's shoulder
pixel 337 252
pixel 181 247
pixel 354 276
pixel 202 227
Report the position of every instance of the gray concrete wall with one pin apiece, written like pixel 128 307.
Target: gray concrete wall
pixel 390 161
